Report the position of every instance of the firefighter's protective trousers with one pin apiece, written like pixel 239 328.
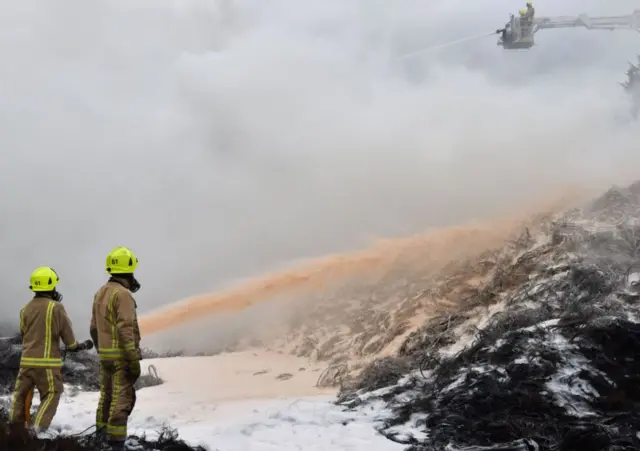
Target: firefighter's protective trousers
pixel 48 381
pixel 117 399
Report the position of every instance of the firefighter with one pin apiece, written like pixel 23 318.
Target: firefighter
pixel 530 13
pixel 43 322
pixel 523 15
pixel 114 329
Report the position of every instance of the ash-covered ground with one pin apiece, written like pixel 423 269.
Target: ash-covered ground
pixel 544 355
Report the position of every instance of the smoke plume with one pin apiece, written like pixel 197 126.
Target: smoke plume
pixel 222 140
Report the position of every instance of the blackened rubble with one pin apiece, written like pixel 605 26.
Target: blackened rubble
pixel 14 438
pixel 556 366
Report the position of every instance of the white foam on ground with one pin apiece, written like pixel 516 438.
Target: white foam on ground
pixel 219 403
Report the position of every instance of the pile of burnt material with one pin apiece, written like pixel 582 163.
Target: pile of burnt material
pixel 545 356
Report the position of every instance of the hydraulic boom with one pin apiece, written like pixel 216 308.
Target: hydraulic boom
pixel 519 32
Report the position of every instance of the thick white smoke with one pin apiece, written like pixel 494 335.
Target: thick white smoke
pixel 222 139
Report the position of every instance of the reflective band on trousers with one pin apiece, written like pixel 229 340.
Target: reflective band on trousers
pixel 111 354
pixel 39 362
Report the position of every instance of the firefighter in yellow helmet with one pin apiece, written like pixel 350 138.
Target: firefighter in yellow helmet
pixel 530 12
pixel 114 329
pixel 526 20
pixel 43 322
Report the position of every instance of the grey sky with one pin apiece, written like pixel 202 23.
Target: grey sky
pixel 221 143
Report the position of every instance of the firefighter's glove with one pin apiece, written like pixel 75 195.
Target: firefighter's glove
pixel 132 368
pixel 84 346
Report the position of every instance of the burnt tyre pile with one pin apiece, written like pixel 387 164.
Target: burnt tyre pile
pixel 545 356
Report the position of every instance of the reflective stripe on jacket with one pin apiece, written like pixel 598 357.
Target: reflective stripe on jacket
pixel 43 322
pixel 114 323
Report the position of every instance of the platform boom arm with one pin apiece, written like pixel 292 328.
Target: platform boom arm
pixel 631 21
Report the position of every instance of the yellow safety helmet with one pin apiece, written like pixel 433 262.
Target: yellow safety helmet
pixel 121 260
pixel 529 4
pixel 523 12
pixel 44 279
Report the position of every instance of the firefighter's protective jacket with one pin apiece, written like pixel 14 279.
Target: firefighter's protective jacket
pixel 114 323
pixel 43 322
pixel 531 12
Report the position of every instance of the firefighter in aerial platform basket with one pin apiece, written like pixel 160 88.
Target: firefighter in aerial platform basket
pixel 523 17
pixel 43 322
pixel 527 15
pixel 531 12
pixel 114 328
